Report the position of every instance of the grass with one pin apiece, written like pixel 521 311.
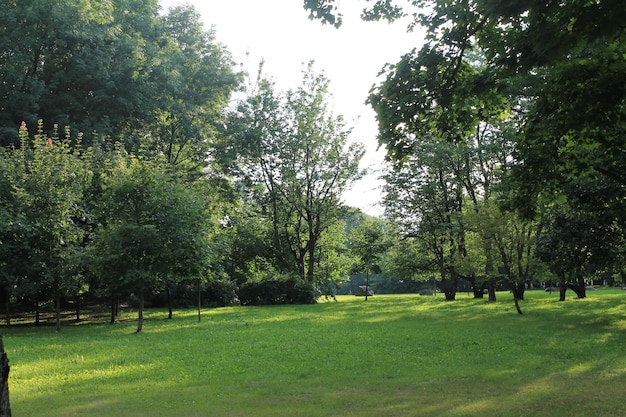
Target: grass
pixel 399 355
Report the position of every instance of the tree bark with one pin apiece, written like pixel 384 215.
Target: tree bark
pixel 37 313
pixel 518 289
pixel 57 312
pixel 140 315
pixel 199 300
pixel 169 303
pixel 516 301
pixel 492 291
pixel 113 309
pixel 5 406
pixel 7 307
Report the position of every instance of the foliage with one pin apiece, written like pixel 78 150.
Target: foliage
pixel 117 68
pixel 550 70
pixel 296 161
pixel 44 189
pixel 277 290
pixel 332 357
pixel 153 227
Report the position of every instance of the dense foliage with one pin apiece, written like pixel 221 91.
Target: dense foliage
pixel 505 133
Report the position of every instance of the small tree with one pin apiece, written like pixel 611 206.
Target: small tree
pixel 369 242
pixel 49 180
pixel 154 227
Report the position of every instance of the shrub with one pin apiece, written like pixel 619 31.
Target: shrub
pixel 278 291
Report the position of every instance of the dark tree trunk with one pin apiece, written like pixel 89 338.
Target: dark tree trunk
pixel 491 288
pixel 77 309
pixel 140 315
pixel 199 300
pixel 7 307
pixel 518 289
pixel 5 406
pixel 516 301
pixel 449 288
pixel 57 312
pixel 581 291
pixel 37 313
pixel 562 290
pixel 113 309
pixel 478 291
pixel 169 303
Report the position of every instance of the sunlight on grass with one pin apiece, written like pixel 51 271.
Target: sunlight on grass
pixel 399 355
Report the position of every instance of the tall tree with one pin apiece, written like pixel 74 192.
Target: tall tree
pixel 118 68
pixel 48 185
pixel 299 151
pixel 83 64
pixel 153 227
pixel 192 85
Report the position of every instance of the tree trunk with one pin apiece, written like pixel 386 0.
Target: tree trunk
pixel 491 288
pixel 140 315
pixel 5 406
pixel 199 300
pixel 169 303
pixel 478 291
pixel 57 312
pixel 518 289
pixel 562 289
pixel 37 313
pixel 582 288
pixel 113 309
pixel 516 301
pixel 77 309
pixel 7 308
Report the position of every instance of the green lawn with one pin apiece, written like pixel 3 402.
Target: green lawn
pixel 401 355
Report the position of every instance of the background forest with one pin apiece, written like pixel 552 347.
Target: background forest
pixel 140 164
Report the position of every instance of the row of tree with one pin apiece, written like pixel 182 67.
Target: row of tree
pixel 173 185
pixel 505 136
pixel 168 183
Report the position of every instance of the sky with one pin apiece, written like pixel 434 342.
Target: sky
pixel 280 33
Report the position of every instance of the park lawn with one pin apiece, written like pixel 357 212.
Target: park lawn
pixel 394 355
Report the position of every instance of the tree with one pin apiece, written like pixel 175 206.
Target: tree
pixel 116 68
pixel 48 185
pixel 425 198
pixel 298 151
pixel 576 240
pixel 369 242
pixel 83 64
pixel 560 65
pixel 194 81
pixel 154 227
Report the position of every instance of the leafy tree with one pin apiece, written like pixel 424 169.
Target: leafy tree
pixel 194 81
pixel 298 151
pixel 369 242
pixel 333 259
pixel 154 227
pixel 117 68
pixel 576 241
pixel 425 198
pixel 560 65
pixel 47 186
pixel 83 64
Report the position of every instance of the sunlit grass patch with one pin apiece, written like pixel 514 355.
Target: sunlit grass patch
pixel 400 355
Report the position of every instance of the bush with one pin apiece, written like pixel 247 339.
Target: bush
pixel 222 292
pixel 278 291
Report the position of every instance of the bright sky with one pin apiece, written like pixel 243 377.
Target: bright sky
pixel 280 32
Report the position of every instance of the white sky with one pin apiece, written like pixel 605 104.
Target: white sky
pixel 351 57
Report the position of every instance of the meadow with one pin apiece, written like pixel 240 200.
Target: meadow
pixel 393 355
